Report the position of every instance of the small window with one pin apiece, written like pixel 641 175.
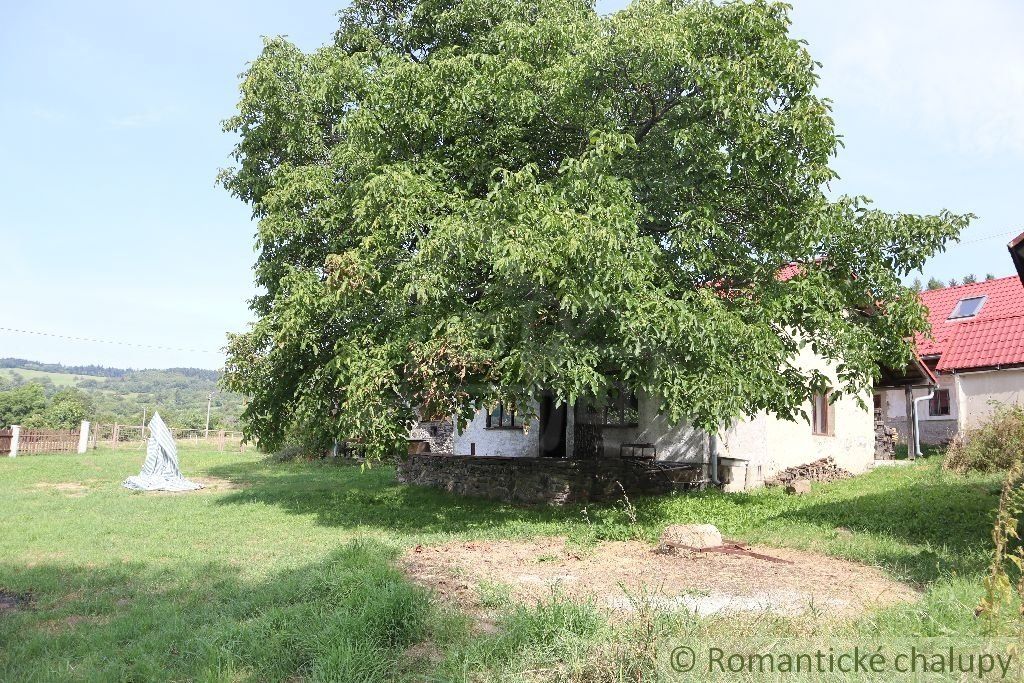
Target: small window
pixel 622 410
pixel 967 308
pixel 822 415
pixel 939 403
pixel 500 417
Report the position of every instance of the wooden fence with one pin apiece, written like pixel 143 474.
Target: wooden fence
pixel 118 436
pixel 47 441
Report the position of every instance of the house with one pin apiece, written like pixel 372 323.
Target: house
pixel 629 427
pixel 975 352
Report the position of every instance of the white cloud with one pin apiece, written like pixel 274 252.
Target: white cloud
pixel 47 115
pixel 952 69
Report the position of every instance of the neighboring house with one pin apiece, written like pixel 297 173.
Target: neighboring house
pixel 748 453
pixel 976 352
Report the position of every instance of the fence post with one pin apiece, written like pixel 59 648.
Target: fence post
pixel 83 437
pixel 15 435
pixel 114 436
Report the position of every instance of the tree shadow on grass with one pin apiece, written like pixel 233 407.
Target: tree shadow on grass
pixel 348 618
pixel 924 529
pixel 920 525
pixel 341 495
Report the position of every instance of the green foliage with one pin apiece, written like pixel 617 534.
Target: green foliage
pixel 996 445
pixel 29 405
pixel 466 202
pixel 1005 580
pixel 970 279
pixel 934 283
pixel 67 409
pixel 19 404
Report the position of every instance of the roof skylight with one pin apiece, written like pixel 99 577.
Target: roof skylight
pixel 967 308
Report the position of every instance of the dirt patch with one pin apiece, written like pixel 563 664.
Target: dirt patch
pixel 210 485
pixel 12 602
pixel 618 573
pixel 55 626
pixel 216 484
pixel 68 488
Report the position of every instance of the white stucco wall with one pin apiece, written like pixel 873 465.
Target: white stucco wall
pixel 676 442
pixel 980 393
pixel 512 443
pixel 768 444
pixel 755 449
pixel 672 442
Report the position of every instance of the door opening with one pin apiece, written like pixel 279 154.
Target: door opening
pixel 552 420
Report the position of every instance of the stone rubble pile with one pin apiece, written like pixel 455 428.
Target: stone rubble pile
pixel 885 439
pixel 823 470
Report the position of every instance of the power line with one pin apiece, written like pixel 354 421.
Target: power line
pixel 987 237
pixel 105 341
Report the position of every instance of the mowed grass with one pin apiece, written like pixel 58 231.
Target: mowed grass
pixel 285 571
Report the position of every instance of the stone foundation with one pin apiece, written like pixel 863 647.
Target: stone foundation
pixel 554 481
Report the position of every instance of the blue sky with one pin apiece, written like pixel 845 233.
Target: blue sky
pixel 112 227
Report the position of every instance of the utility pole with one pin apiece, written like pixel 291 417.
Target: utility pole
pixel 209 400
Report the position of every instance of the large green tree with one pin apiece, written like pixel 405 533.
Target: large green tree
pixel 21 404
pixel 461 201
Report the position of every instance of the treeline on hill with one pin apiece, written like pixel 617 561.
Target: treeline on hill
pixel 54 396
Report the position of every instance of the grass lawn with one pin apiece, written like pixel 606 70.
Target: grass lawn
pixel 285 571
pixel 59 379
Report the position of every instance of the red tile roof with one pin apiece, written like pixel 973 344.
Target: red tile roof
pixel 789 271
pixel 995 336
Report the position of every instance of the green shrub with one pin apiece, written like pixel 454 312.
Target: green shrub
pixel 996 445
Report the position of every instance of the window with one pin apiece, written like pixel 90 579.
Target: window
pixel 822 415
pixel 499 417
pixel 967 308
pixel 622 410
pixel 939 403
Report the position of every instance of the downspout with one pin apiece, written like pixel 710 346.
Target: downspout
pixel 713 458
pixel 917 420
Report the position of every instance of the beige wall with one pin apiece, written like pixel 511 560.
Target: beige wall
pixel 895 403
pixel 935 429
pixel 768 444
pixel 980 393
pixel 973 396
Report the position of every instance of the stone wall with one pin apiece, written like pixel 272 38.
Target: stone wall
pixel 886 438
pixel 554 481
pixel 439 435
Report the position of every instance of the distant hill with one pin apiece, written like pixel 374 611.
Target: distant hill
pixel 122 394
